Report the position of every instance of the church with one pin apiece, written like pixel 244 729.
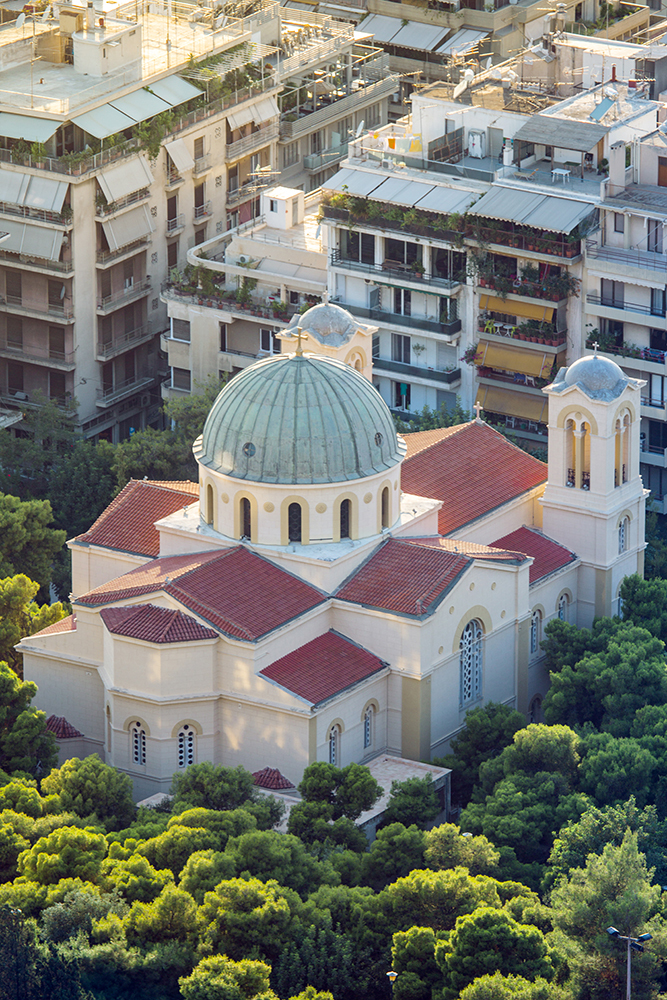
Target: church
pixel 331 590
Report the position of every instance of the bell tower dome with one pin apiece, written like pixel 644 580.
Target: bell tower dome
pixel 594 499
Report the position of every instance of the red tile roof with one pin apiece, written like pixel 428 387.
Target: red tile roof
pixel 472 549
pixel 237 591
pixel 404 577
pixel 324 667
pixel 128 522
pixel 548 555
pixel 64 625
pixel 153 624
pixel 472 470
pixel 270 777
pixel 61 728
pixel 420 440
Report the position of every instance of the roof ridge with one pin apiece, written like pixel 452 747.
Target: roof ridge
pixel 187 600
pixel 156 484
pixel 453 429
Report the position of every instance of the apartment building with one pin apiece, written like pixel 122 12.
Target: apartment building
pixel 124 142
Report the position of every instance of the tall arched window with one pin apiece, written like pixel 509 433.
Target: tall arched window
pixel 625 468
pixel 246 519
pixel 209 504
pixel 368 727
pixel 470 660
pixel 294 522
pixel 345 511
pixel 334 746
pixel 535 632
pixel 563 603
pixel 138 738
pixel 570 458
pixel 385 507
pixel 623 530
pixel 186 746
pixel 535 712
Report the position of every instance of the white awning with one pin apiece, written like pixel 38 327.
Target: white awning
pixel 127 228
pixel 268 108
pixel 103 121
pixel 462 41
pixel 357 182
pixel 551 212
pixel 33 241
pixel 401 191
pixel 13 185
pixel 140 105
pixel 124 178
pixel 180 154
pixel 415 35
pixel 46 193
pixel 382 27
pixel 240 118
pixel 26 127
pixel 175 90
pixel 446 200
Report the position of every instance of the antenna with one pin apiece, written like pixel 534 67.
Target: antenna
pixel 360 128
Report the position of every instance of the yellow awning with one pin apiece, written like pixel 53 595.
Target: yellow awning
pixel 527 310
pixel 514 359
pixel 512 404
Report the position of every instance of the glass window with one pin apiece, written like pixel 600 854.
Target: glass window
pixel 186 746
pixel 180 378
pixel 619 222
pixel 345 519
pixel 246 518
pixel 294 522
pixel 623 534
pixel 535 632
pixel 368 727
pixel 470 662
pixel 400 348
pixel 334 746
pixel 138 738
pixel 180 329
pixel 562 607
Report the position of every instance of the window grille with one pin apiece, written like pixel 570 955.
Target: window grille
pixel 186 747
pixel 470 658
pixel 138 737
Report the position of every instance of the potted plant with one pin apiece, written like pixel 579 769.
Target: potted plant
pixel 418 268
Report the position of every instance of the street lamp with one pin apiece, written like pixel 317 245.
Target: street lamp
pixel 634 944
pixel 391 975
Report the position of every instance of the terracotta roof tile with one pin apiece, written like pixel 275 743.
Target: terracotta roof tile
pixel 64 625
pixel 404 577
pixel 61 728
pixel 548 555
pixel 237 591
pixel 473 549
pixel 270 777
pixel 153 624
pixel 128 523
pixel 421 440
pixel 323 667
pixel 472 472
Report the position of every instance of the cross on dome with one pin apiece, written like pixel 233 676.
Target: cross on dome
pixel 298 336
pixel 595 347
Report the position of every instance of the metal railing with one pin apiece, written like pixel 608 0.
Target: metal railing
pixel 653 261
pixel 36 398
pixel 448 328
pixel 602 300
pixel 125 341
pixel 310 121
pixel 104 209
pixel 107 396
pixel 134 291
pixel 49 310
pixel 249 143
pixel 401 274
pixel 202 211
pixel 106 256
pixel 38 352
pixel 202 163
pixel 647 401
pixel 415 371
pixel 176 223
pixel 317 161
pixel 38 214
pixel 41 263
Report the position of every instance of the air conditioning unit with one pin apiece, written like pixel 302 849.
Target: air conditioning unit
pixel 243 259
pixel 21 395
pixel 145 399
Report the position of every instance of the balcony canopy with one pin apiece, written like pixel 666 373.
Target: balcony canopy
pixel 413 35
pixel 463 41
pixel 104 121
pixel 124 178
pixel 400 190
pixel 528 310
pixel 32 241
pixel 514 359
pixel 530 208
pixel 128 228
pixel 174 90
pixel 563 133
pixel 26 127
pixel 511 403
pixel 140 105
pixel 32 191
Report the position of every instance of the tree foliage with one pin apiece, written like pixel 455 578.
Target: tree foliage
pixel 28 543
pixel 89 787
pixel 26 747
pixel 212 786
pixel 20 616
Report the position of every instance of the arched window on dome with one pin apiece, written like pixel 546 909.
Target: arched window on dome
pixel 470 662
pixel 186 746
pixel 208 516
pixel 246 519
pixel 138 741
pixel 334 745
pixel 585 432
pixel 294 518
pixel 345 518
pixel 385 507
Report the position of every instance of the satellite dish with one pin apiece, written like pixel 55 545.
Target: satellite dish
pixel 45 15
pixel 360 129
pixel 20 20
pixel 459 89
pixel 62 293
pixel 488 62
pixel 469 76
pixel 318 231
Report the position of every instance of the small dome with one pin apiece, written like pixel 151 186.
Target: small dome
pixel 598 377
pixel 299 419
pixel 326 323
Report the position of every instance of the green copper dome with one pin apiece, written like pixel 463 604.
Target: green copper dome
pixel 299 419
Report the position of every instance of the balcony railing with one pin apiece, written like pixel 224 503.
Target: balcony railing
pixel 611 303
pixel 107 396
pixel 34 399
pixel 173 225
pixel 49 310
pixel 41 353
pixel 656 404
pixel 392 271
pixel 415 371
pixel 21 259
pixel 107 256
pixel 448 329
pixel 251 143
pixel 123 343
pixel 38 214
pixel 202 211
pixel 651 354
pixel 317 161
pixel 504 331
pixel 135 291
pixel 226 302
pixel 630 258
pixel 202 164
pixel 310 121
pixel 104 209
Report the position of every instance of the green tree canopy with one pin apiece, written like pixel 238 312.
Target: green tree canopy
pixel 265 854
pixel 212 786
pixel 413 801
pixel 436 899
pixel 348 790
pixel 499 987
pixel 614 768
pixel 66 853
pixel 204 870
pixel 20 615
pixel 396 851
pixel 26 747
pixel 447 847
pixel 242 915
pixel 89 787
pixel 134 878
pixel 221 978
pixel 645 604
pixel 28 543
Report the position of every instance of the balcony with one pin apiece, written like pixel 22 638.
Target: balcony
pixel 175 225
pixel 123 343
pixel 642 259
pixel 396 320
pixel 202 211
pixel 310 121
pixel 104 209
pixel 34 400
pixel 226 302
pixel 173 179
pixel 543 340
pixel 135 291
pixel 38 310
pixel 606 303
pixel 202 164
pixel 63 218
pixel 318 161
pixel 524 383
pixel 108 257
pixel 32 263
pixel 402 274
pixel 111 395
pixel 251 143
pixel 245 191
pixel 449 377
pixel 39 354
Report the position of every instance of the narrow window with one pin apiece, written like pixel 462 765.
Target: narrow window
pixel 334 746
pixel 186 746
pixel 138 737
pixel 294 522
pixel 368 727
pixel 470 662
pixel 345 519
pixel 536 709
pixel 209 504
pixel 623 535
pixel 385 507
pixel 246 519
pixel 535 628
pixel 562 607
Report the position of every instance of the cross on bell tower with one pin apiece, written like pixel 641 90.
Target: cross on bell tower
pixel 478 410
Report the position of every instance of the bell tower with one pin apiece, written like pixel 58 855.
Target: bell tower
pixel 594 500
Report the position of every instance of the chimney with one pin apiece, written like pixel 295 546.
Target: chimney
pixel 613 73
pixel 90 16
